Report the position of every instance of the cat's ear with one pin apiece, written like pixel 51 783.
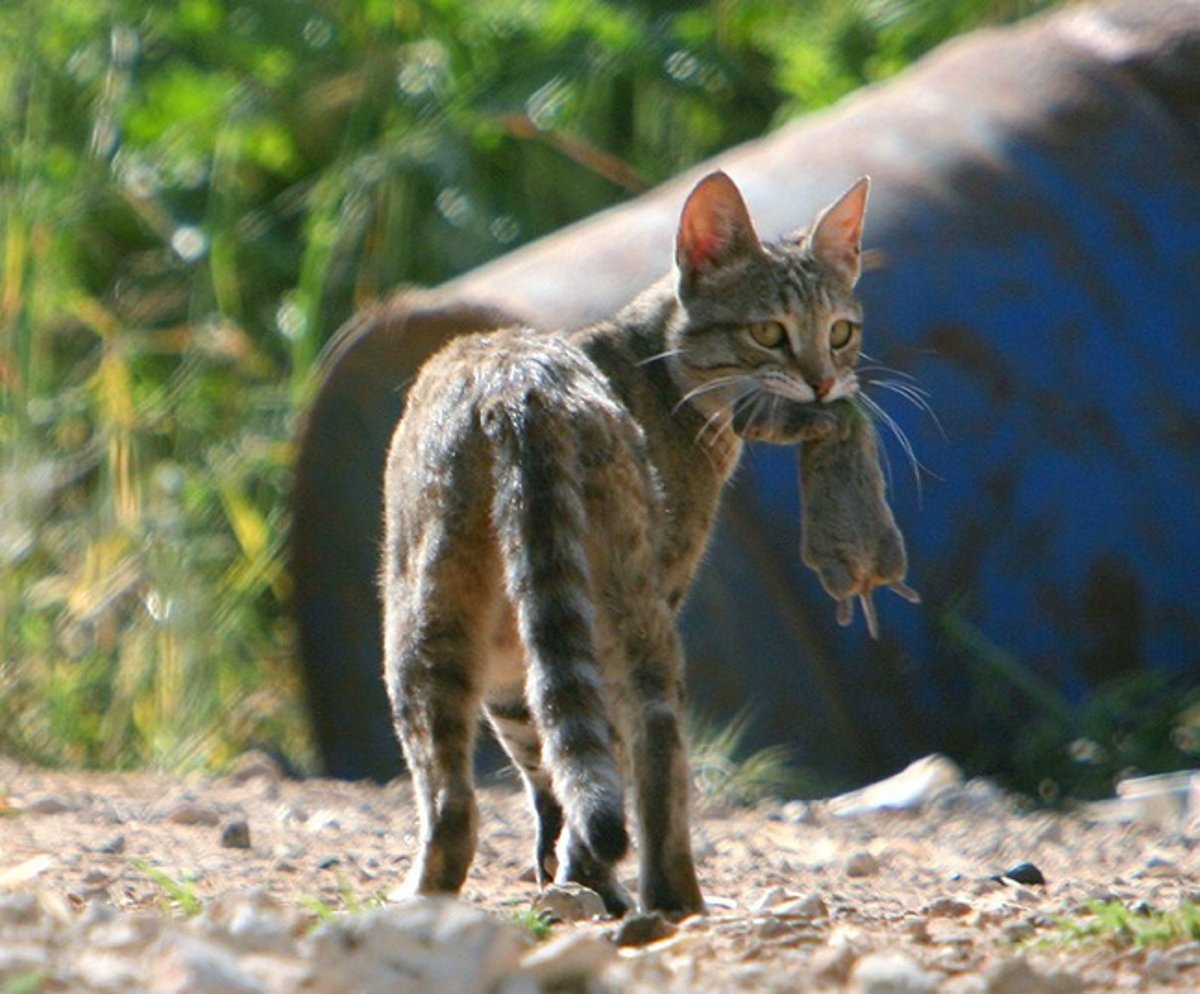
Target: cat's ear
pixel 714 229
pixel 836 236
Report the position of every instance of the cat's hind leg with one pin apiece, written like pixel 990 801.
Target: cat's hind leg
pixel 509 716
pixel 435 702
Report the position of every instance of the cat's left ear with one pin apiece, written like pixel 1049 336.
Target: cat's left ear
pixel 836 237
pixel 714 230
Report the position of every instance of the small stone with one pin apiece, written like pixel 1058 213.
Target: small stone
pixel 770 897
pixel 1017 977
pixel 235 834
pixel 917 930
pixel 1025 873
pixel 861 864
pixel 811 906
pixel 421 946
pixel 570 902
pixel 1159 968
pixel 96 878
pixel 832 964
pixel 799 813
pixel 19 909
pixel 112 847
pixel 255 765
pixel 1017 931
pixel 568 961
pixel 1159 866
pixel 641 930
pixel 193 813
pixel 193 966
pixel 772 928
pixel 47 805
pixel 948 907
pixel 890 973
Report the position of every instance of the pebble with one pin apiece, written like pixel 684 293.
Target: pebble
pixel 811 906
pixel 422 946
pixel 235 834
pixel 861 864
pixel 641 930
pixel 1016 976
pixel 1158 866
pixel 255 765
pixel 570 902
pixel 193 813
pixel 1017 931
pixel 568 960
pixel 799 813
pixel 769 898
pixel 192 966
pixel 948 907
pixel 832 964
pixel 112 847
pixel 1025 873
pixel 890 973
pixel 50 804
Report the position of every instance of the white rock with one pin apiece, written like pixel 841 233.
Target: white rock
pixel 910 788
pixel 810 906
pixel 570 902
pixel 861 864
pixel 832 964
pixel 251 920
pixel 423 946
pixel 769 898
pixel 191 965
pixel 890 973
pixel 568 959
pixel 18 958
pixel 1016 976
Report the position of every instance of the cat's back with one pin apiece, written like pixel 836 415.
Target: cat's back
pixel 500 381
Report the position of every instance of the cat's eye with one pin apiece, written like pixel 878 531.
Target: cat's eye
pixel 840 334
pixel 768 334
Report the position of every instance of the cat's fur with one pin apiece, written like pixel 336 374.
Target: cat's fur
pixel 548 499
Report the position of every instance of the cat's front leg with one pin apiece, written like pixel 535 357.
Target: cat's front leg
pixel 848 533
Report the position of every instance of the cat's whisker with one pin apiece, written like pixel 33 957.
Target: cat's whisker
pixel 659 356
pixel 914 395
pixel 706 387
pixel 910 388
pixel 878 367
pixel 723 414
pixel 905 444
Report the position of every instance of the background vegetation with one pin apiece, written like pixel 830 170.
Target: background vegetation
pixel 193 196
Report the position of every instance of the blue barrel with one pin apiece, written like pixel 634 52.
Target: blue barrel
pixel 1035 218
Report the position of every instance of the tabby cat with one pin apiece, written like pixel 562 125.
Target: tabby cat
pixel 548 499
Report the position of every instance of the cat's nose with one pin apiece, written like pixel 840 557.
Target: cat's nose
pixel 823 387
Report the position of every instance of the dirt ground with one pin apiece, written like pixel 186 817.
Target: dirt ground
pixel 800 899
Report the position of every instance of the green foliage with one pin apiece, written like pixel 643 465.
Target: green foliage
pixel 178 894
pixel 725 778
pixel 1111 923
pixel 193 195
pixel 30 982
pixel 1141 722
pixel 536 923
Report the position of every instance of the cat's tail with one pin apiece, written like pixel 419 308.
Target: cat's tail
pixel 542 526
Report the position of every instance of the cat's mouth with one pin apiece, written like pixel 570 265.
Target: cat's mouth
pixel 785 422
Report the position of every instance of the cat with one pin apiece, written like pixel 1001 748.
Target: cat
pixel 548 498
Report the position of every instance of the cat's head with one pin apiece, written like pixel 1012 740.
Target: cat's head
pixel 765 330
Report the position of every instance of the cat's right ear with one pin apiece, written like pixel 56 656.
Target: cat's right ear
pixel 714 230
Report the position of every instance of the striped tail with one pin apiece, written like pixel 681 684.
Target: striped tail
pixel 541 523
